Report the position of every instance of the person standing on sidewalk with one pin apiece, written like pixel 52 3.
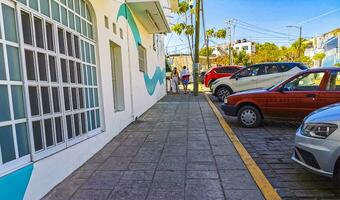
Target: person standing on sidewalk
pixel 185 75
pixel 174 81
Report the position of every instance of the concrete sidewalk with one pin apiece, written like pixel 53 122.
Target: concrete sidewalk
pixel 176 150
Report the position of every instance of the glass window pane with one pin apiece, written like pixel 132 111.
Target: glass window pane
pixel 64 70
pixel 87 49
pixel 82 8
pixel 77 6
pixel 70 4
pixel 83 123
pixel 87 97
pixel 59 129
pixel 82 50
pixel 91 98
pixel 79 74
pixel 74 98
pixel 9 23
pixel 2 64
pixel 66 98
pixel 72 71
pixel 33 94
pixel 7 144
pixel 94 74
pixel 71 20
pixel 85 75
pixel 53 70
pixel 26 27
pixel 76 46
pixel 69 44
pixel 90 31
pixel 81 97
pixel 22 1
pixel 56 103
pixel 18 102
pixel 39 36
pixel 88 15
pixel 93 55
pixel 78 24
pixel 34 4
pixel 63 2
pixel 45 98
pixel 55 10
pixel 42 67
pixel 29 59
pixel 89 75
pixel 38 143
pixel 96 97
pixel 84 27
pixel 49 36
pixel 13 63
pixel 89 127
pixel 64 17
pixel 76 125
pixel 98 118
pixel 4 104
pixel 61 40
pixel 69 127
pixel 22 139
pixel 93 120
pixel 48 132
pixel 45 7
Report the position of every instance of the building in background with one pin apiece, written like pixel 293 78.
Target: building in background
pixel 238 46
pixel 328 44
pixel 73 74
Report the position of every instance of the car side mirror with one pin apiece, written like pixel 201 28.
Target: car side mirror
pixel 237 76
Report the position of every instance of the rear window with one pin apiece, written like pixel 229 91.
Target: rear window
pixel 229 70
pixel 287 67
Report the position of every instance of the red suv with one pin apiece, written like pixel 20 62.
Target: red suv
pixel 292 99
pixel 219 72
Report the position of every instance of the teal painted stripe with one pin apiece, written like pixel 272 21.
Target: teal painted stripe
pixel 151 83
pixel 124 11
pixel 159 74
pixel 13 186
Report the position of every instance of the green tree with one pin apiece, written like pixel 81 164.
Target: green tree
pixel 318 58
pixel 206 51
pixel 241 58
pixel 337 65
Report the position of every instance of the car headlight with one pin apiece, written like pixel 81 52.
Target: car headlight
pixel 318 130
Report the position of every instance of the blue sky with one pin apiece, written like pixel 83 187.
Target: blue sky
pixel 274 15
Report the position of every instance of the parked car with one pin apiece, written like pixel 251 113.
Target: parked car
pixel 317 142
pixel 219 72
pixel 256 76
pixel 292 99
pixel 202 75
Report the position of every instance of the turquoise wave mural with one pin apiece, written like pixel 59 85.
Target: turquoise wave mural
pixel 159 74
pixel 151 83
pixel 13 186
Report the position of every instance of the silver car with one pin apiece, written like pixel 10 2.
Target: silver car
pixel 317 142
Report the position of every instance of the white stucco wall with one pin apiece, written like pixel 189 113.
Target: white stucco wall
pixel 49 171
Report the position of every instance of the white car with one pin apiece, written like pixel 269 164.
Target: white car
pixel 317 142
pixel 256 76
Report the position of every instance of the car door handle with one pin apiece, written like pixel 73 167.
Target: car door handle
pixel 311 95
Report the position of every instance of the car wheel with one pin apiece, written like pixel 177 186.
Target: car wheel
pixel 336 176
pixel 222 93
pixel 249 117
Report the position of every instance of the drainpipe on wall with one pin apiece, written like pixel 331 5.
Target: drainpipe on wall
pixel 129 63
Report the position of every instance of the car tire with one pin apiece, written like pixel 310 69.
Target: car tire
pixel 222 93
pixel 249 117
pixel 336 176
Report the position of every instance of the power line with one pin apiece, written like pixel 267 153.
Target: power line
pixel 319 16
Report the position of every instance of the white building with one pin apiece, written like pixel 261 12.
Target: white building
pixel 328 44
pixel 73 74
pixel 239 45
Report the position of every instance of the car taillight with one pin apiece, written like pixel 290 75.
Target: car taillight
pixel 319 130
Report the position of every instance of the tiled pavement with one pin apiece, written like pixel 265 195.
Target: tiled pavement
pixel 176 150
pixel 271 146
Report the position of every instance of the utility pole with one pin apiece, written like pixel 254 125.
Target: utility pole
pixel 197 45
pixel 230 24
pixel 300 38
